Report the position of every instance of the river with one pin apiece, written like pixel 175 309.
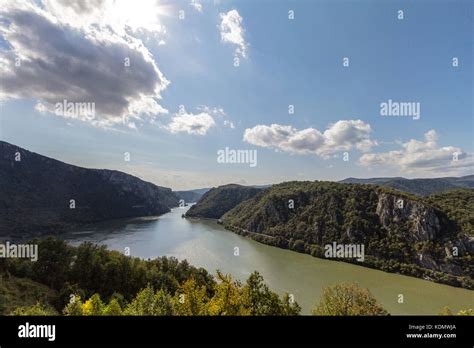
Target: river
pixel 206 244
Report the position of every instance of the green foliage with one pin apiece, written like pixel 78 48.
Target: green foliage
pixel 149 302
pixel 36 310
pixel 348 299
pixel 74 307
pixel 89 269
pixel 93 306
pixel 114 284
pixel 261 301
pixel 168 287
pixel 190 299
pixel 113 308
pixel 16 292
pixel 458 205
pixel 230 297
pixel 462 312
pixel 418 186
pixel 321 213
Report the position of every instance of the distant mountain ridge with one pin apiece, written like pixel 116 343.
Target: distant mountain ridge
pixel 39 194
pixel 421 187
pixel 188 196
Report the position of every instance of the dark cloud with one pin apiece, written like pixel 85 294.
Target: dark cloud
pixel 59 62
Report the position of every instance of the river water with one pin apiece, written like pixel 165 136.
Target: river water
pixel 206 244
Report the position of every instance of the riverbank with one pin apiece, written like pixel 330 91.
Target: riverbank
pixel 206 244
pixel 390 266
pixel 317 251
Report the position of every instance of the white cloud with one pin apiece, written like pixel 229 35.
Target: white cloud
pixel 423 157
pixel 214 111
pixel 229 124
pixel 63 56
pixel 217 113
pixel 232 31
pixel 343 135
pixel 197 5
pixel 120 15
pixel 190 123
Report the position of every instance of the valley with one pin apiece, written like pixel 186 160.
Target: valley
pixel 204 243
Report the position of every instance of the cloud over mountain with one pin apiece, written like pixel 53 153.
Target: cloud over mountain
pixel 344 135
pixel 423 156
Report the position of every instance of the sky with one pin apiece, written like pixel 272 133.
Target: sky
pixel 301 85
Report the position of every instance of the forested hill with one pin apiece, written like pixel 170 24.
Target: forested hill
pixel 421 187
pixel 91 280
pixel 414 237
pixel 217 201
pixel 458 205
pixel 41 194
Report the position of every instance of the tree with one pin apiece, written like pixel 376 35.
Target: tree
pixel 74 307
pixel 348 299
pixel 228 298
pixel 142 304
pixel 191 299
pixel 113 308
pixel 149 302
pixel 290 306
pixel 52 266
pixel 93 306
pixel 261 301
pixel 463 312
pixel 36 310
pixel 163 303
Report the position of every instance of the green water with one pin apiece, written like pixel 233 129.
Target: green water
pixel 207 244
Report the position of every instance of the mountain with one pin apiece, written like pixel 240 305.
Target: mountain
pixel 188 196
pixel 400 232
pixel 201 191
pixel 191 196
pixel 41 194
pixel 421 187
pixel 217 201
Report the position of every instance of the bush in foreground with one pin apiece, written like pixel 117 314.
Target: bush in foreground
pixel 348 299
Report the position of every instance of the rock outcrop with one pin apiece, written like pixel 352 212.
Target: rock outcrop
pixel 423 221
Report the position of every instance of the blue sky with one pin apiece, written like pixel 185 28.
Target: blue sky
pixel 77 54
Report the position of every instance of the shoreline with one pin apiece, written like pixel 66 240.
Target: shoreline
pixel 388 266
